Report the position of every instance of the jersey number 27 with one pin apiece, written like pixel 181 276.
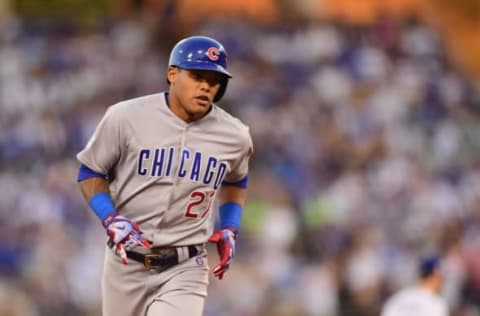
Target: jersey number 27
pixel 198 198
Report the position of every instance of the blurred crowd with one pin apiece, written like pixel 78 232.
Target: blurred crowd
pixel 367 157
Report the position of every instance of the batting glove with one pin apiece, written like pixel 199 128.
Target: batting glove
pixel 124 234
pixel 225 240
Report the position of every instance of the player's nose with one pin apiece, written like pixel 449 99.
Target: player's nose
pixel 210 81
pixel 206 85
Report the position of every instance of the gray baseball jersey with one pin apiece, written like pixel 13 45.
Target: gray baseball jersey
pixel 415 301
pixel 164 173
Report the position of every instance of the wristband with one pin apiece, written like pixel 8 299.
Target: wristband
pixel 230 215
pixel 102 205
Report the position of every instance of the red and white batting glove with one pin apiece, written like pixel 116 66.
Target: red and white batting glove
pixel 124 234
pixel 225 240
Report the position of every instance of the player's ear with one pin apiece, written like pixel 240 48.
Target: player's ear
pixel 172 74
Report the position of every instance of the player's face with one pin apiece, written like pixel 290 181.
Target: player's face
pixel 192 92
pixel 437 279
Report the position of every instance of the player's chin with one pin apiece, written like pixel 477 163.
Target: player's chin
pixel 200 107
pixel 199 110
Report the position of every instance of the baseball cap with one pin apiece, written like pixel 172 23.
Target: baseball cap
pixel 429 265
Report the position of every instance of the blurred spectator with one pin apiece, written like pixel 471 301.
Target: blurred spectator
pixel 422 298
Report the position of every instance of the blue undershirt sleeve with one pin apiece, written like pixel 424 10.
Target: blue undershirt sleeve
pixel 243 183
pixel 85 172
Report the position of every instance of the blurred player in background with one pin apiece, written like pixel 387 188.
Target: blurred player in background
pixel 152 172
pixel 422 299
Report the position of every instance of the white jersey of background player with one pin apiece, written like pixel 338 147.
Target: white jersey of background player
pixel 422 299
pixel 160 161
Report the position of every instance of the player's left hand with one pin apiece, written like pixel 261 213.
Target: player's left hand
pixel 225 240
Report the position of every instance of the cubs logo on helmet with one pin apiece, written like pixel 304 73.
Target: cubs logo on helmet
pixel 213 53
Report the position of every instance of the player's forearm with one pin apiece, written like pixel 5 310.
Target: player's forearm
pixel 92 186
pixel 96 193
pixel 232 194
pixel 232 199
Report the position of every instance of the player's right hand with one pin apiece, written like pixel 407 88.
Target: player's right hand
pixel 124 234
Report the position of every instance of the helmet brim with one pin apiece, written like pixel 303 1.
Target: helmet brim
pixel 202 65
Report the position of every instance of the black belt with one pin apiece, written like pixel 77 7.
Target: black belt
pixel 159 258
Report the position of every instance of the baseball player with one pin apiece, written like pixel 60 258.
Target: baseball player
pixel 422 299
pixel 153 171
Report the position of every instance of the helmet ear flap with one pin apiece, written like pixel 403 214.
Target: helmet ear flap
pixel 221 90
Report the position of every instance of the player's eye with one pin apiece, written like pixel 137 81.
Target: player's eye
pixel 195 75
pixel 211 79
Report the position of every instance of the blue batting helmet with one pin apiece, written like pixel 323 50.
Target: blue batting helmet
pixel 201 53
